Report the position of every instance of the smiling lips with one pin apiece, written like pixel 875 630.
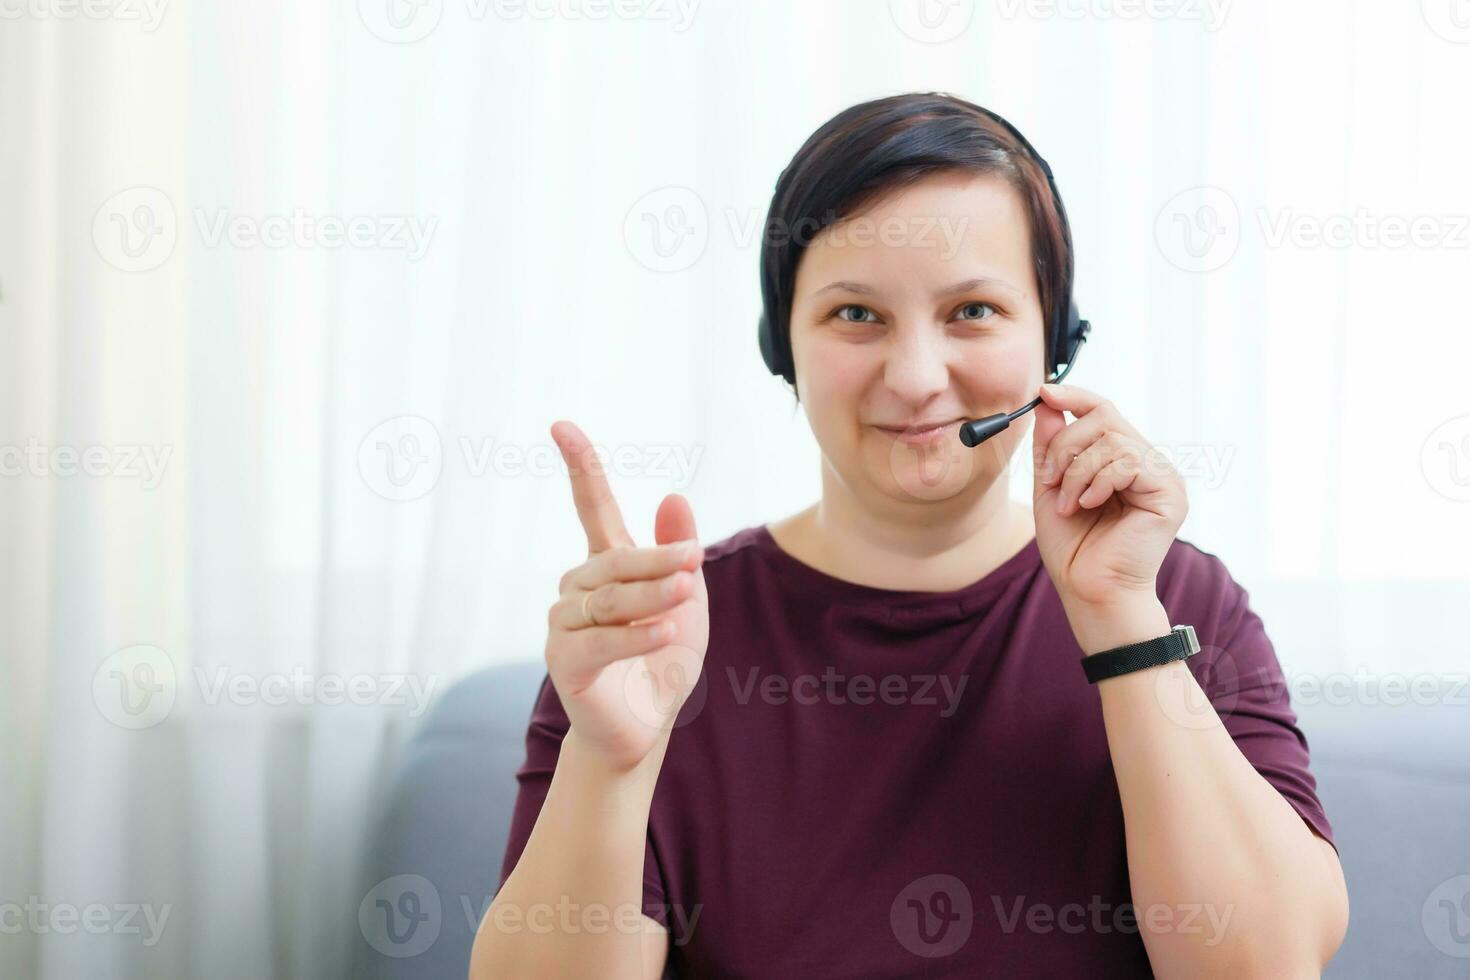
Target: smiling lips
pixel 924 433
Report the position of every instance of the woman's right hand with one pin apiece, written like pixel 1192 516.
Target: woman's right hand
pixel 623 679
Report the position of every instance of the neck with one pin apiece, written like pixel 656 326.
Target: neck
pixel 928 547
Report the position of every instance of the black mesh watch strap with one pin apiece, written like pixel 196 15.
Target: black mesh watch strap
pixel 1179 643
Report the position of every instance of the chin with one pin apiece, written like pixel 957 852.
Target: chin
pixel 925 473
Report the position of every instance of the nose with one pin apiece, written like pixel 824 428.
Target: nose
pixel 917 366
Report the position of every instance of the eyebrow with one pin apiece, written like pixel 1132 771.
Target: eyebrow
pixel 960 287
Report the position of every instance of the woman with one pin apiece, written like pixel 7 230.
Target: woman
pixel 891 764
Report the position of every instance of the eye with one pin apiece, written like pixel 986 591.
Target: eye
pixel 870 316
pixel 966 312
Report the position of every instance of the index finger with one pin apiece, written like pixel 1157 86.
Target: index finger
pixel 1082 401
pixel 1074 398
pixel 596 507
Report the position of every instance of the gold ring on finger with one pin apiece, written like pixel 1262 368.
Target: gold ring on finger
pixel 587 609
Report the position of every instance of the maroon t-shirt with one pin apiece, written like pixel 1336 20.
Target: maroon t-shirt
pixel 878 783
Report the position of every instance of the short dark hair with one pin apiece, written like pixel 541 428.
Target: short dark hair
pixel 881 145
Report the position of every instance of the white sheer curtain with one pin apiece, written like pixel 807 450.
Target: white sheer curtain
pixel 290 295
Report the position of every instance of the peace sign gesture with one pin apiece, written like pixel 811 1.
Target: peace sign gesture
pixel 627 636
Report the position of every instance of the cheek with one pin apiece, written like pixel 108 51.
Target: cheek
pixel 832 374
pixel 1003 371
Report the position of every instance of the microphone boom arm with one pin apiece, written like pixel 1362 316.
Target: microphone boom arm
pixel 976 431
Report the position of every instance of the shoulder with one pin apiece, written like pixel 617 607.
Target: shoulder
pixel 737 551
pixel 1198 589
pixel 1190 571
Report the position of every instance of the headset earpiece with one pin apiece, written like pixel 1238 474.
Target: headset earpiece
pixel 769 352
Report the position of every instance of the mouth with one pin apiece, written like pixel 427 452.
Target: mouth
pixel 924 433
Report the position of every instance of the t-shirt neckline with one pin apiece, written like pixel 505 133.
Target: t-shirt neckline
pixel 813 580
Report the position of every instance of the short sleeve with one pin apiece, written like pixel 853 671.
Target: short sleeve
pixel 548 726
pixel 1238 670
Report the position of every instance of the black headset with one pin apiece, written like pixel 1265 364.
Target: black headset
pixel 1065 334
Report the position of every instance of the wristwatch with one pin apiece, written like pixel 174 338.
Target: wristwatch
pixel 1178 644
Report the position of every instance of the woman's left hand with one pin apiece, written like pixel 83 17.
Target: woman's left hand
pixel 1107 504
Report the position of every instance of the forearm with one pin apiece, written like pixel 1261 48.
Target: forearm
pixel 575 898
pixel 1237 884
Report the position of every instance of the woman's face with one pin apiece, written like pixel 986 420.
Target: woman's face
pixel 921 310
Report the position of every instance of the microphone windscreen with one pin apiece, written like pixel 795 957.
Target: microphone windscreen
pixel 976 431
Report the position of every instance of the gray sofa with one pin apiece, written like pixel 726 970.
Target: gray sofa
pixel 1395 781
